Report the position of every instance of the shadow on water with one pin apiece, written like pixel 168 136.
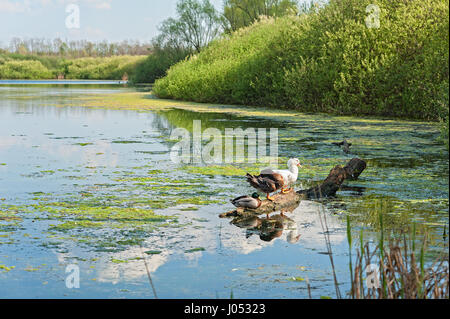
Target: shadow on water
pixel 270 227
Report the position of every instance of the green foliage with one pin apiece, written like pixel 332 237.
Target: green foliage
pixel 444 132
pixel 156 64
pixel 327 60
pixel 110 68
pixel 27 69
pixel 50 62
pixel 242 13
pixel 17 66
pixel 442 102
pixel 197 23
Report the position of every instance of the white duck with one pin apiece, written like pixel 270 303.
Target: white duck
pixel 289 175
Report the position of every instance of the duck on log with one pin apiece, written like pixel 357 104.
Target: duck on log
pixel 328 187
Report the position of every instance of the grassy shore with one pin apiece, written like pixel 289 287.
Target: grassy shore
pixel 34 67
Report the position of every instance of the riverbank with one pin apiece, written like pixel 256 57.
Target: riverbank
pixel 147 101
pixel 317 62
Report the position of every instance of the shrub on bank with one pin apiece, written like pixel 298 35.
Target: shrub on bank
pixel 103 68
pixel 28 69
pixel 16 66
pixel 156 64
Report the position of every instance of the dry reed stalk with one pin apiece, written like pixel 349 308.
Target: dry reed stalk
pixel 403 279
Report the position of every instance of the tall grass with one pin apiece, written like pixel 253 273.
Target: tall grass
pixel 402 275
pixel 349 240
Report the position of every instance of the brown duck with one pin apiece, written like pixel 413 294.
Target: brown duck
pixel 268 182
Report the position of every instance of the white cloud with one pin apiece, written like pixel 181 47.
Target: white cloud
pixel 133 269
pixel 14 7
pixel 102 5
pixel 10 6
pixel 97 4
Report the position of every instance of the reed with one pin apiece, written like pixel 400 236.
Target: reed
pixel 326 234
pixel 349 239
pixel 401 274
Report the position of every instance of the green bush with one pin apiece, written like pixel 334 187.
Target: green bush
pixel 156 65
pixel 327 60
pixel 27 69
pixel 109 68
pixel 17 66
pixel 442 101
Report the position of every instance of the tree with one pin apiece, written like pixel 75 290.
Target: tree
pixel 170 36
pixel 197 24
pixel 242 13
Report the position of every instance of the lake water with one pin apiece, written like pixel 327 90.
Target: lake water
pixel 96 188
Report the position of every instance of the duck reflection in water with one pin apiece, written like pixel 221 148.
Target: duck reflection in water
pixel 270 227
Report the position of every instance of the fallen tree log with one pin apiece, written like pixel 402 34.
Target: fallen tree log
pixel 327 188
pixel 338 174
pixel 354 168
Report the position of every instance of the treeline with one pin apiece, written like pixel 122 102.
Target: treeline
pixel 38 58
pixel 75 48
pixel 329 59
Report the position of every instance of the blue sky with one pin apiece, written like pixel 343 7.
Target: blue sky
pixel 113 20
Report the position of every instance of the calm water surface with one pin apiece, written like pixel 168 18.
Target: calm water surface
pixel 96 188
